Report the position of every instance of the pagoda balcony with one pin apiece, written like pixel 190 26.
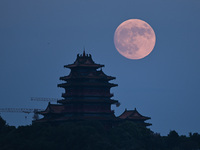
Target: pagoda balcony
pixel 79 76
pixel 86 84
pixel 87 95
pixel 83 110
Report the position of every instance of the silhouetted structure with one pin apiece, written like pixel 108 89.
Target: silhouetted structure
pixel 135 116
pixel 87 96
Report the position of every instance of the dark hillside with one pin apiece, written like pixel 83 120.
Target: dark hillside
pixel 90 136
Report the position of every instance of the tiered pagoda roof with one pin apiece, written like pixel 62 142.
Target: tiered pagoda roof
pixel 134 115
pixel 84 60
pixel 86 82
pixel 87 96
pixel 59 109
pixel 90 75
pixel 87 93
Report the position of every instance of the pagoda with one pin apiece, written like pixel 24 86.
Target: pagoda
pixel 87 97
pixel 87 94
pixel 135 116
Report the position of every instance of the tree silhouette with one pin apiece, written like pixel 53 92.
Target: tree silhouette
pixel 90 135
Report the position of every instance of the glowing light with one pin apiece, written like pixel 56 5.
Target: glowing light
pixel 134 39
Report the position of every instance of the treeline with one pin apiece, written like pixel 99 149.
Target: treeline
pixel 91 136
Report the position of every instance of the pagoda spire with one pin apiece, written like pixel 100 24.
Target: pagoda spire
pixel 84 52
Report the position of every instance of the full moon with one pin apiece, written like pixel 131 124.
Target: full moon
pixel 134 39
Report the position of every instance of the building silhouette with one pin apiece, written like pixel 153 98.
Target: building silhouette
pixel 87 96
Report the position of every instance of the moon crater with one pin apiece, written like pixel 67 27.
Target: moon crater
pixel 134 39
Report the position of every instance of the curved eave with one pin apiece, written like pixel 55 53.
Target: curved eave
pixel 44 112
pixel 148 124
pixel 110 101
pixel 109 117
pixel 70 77
pixel 138 118
pixel 133 115
pixel 50 109
pixel 71 66
pixel 78 96
pixel 64 85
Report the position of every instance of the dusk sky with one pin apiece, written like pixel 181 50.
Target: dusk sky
pixel 39 37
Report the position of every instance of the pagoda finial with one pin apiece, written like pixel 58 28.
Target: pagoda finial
pixel 84 52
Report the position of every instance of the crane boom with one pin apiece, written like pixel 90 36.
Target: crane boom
pixel 20 110
pixel 44 99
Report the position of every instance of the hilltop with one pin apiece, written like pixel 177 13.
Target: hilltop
pixel 90 135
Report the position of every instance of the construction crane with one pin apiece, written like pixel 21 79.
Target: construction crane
pixel 44 99
pixel 23 110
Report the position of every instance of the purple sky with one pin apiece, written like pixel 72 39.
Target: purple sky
pixel 39 37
